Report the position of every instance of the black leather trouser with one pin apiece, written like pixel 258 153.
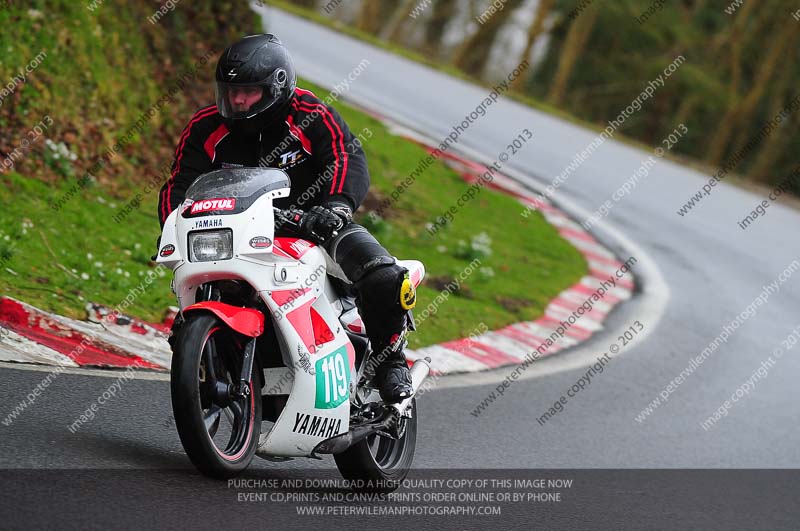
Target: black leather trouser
pixel 377 280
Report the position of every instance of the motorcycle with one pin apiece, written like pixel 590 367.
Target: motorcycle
pixel 271 357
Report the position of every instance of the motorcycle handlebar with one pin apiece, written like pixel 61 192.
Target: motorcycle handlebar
pixel 289 218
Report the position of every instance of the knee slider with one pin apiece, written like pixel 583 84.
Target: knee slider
pixel 388 282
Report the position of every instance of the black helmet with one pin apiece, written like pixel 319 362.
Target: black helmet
pixel 255 83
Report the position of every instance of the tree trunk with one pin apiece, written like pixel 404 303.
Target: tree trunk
pixel 397 19
pixel 740 114
pixel 443 11
pixel 374 14
pixel 684 110
pixel 535 29
pixel 772 148
pixel 735 38
pixel 474 51
pixel 734 34
pixel 576 39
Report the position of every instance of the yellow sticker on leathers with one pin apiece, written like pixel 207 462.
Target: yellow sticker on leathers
pixel 408 295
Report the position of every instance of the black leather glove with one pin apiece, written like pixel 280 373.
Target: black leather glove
pixel 321 223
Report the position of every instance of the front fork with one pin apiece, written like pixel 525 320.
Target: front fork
pixel 242 389
pixel 246 376
pixel 224 393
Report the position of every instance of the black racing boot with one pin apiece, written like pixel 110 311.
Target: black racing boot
pixel 392 375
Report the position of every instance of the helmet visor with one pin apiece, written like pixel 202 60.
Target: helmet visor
pixel 245 100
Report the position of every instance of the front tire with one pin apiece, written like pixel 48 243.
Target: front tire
pixel 382 463
pixel 207 356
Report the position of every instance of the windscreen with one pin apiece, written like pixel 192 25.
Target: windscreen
pixel 231 191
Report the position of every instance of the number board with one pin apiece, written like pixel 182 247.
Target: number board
pixel 333 379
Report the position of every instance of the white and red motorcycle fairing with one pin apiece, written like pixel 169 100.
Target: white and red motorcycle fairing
pixel 290 276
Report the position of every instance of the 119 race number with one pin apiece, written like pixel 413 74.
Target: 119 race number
pixel 333 380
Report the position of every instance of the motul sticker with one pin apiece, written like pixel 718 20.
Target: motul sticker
pixel 209 205
pixel 167 250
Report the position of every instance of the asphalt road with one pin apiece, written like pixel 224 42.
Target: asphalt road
pixel 712 268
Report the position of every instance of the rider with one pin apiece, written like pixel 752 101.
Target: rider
pixel 262 119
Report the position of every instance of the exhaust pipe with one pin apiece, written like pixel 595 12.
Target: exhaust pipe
pixel 419 372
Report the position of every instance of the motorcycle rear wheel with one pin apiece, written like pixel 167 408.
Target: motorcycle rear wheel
pixel 206 352
pixel 381 463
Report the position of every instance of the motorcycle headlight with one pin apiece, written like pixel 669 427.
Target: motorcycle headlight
pixel 212 245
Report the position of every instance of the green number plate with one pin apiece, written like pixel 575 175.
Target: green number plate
pixel 333 379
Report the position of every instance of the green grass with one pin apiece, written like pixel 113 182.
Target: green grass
pixel 103 68
pixel 529 262
pixel 51 253
pixel 61 260
pixel 84 71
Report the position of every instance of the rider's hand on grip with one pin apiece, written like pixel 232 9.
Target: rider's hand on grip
pixel 320 224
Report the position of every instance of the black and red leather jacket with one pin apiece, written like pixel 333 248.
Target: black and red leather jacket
pixel 313 146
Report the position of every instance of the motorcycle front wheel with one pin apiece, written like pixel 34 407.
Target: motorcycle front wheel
pixel 218 431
